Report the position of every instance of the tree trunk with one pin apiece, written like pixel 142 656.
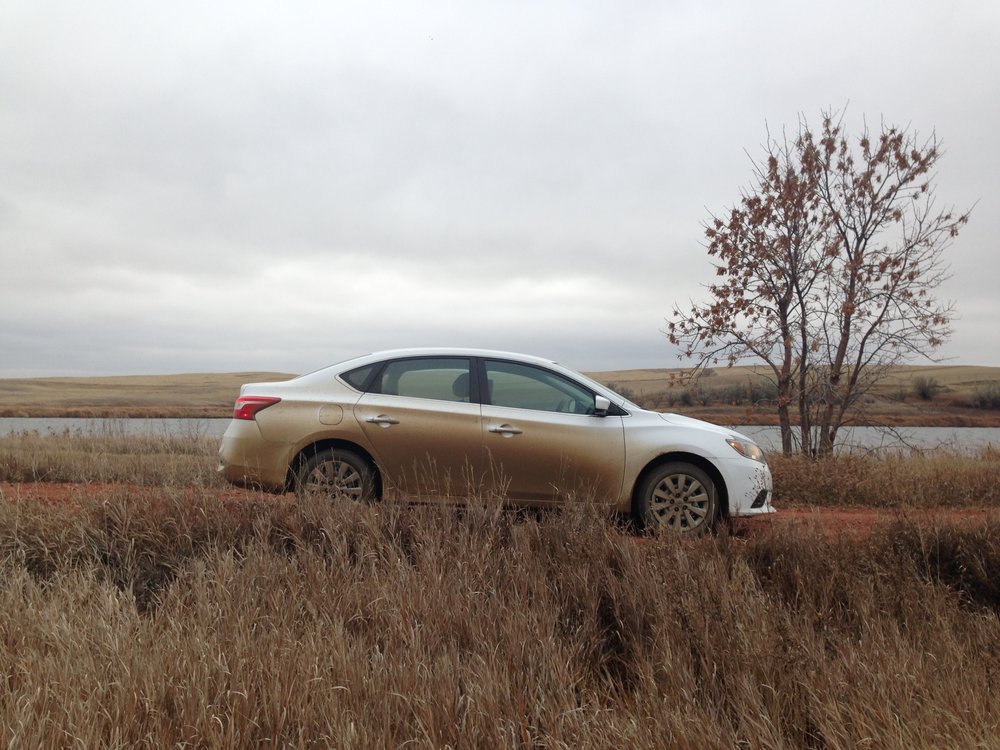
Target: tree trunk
pixel 805 418
pixel 785 423
pixel 785 379
pixel 827 431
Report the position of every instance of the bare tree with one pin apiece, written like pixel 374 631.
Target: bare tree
pixel 828 266
pixel 878 306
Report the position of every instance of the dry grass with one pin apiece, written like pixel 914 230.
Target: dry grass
pixel 929 480
pixel 110 456
pixel 160 620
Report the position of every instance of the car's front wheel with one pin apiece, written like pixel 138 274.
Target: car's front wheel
pixel 337 474
pixel 679 497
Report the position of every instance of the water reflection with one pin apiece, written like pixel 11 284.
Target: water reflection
pixel 867 439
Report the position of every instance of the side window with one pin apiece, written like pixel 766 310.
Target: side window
pixel 441 378
pixel 526 387
pixel 357 377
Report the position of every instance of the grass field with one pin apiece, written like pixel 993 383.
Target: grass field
pixel 191 395
pixel 955 381
pixel 961 395
pixel 154 607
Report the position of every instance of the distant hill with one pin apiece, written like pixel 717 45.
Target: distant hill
pixel 741 395
pixel 190 395
pixel 955 381
pixel 736 395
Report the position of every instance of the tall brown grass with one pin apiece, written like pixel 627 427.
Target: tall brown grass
pixel 935 479
pixel 917 480
pixel 163 618
pixel 109 456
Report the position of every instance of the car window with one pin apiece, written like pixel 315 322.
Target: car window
pixel 527 387
pixel 442 378
pixel 358 377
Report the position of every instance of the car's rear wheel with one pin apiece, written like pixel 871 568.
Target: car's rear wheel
pixel 337 474
pixel 677 497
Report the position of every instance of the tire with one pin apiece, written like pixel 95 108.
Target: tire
pixel 677 497
pixel 337 474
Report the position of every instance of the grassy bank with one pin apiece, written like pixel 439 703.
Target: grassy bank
pixel 159 620
pixel 906 396
pixel 111 456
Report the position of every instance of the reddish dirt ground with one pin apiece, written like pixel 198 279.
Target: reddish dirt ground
pixel 856 521
pixel 72 492
pixel 831 520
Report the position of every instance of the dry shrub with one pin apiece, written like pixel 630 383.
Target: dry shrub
pixel 158 619
pixel 985 396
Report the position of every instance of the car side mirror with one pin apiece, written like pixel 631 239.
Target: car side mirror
pixel 601 406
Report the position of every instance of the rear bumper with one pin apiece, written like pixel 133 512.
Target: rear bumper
pixel 247 459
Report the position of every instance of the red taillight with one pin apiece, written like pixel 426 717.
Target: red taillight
pixel 248 406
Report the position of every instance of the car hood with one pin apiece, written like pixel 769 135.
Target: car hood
pixel 690 422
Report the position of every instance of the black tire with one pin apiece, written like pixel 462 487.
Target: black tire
pixel 337 474
pixel 677 497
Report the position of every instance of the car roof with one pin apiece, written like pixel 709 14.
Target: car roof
pixel 446 351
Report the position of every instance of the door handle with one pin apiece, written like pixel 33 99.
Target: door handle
pixel 506 430
pixel 382 420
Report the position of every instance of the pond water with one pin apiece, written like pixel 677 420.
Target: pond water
pixel 852 439
pixel 865 439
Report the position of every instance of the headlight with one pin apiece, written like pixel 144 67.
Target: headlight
pixel 746 449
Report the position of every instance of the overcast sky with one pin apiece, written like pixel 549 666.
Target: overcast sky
pixel 231 186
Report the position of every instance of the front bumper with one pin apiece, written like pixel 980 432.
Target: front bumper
pixel 750 486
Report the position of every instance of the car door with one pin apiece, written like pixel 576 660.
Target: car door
pixel 425 428
pixel 543 441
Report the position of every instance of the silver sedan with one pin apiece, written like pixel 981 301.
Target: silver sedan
pixel 447 425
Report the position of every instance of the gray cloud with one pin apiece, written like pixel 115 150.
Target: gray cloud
pixel 250 185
